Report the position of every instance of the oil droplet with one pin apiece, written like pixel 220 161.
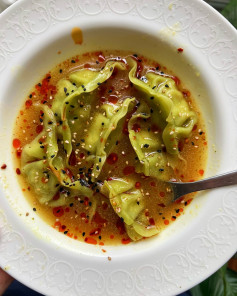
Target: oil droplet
pixel 77 35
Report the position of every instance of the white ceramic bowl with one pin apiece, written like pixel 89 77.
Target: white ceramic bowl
pixel 201 241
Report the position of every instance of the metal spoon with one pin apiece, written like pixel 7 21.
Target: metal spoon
pixel 180 189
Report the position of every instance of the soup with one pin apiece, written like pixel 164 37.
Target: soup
pixel 96 138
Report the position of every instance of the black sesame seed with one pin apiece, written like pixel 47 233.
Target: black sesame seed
pixel 34 209
pixel 83 233
pixel 73 61
pixel 161 170
pixel 166 85
pixel 146 145
pixel 60 71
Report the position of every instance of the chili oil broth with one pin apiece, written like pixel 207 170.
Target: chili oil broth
pixel 106 227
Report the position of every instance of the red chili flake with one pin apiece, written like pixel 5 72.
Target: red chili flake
pixel 178 201
pixel 176 80
pixel 39 129
pixel 86 203
pixel 181 146
pixel 98 219
pixel 62 228
pixel 112 158
pixel 125 241
pixel 102 100
pixel 101 244
pixel 155 128
pixel 137 184
pixel 147 213
pixel 173 218
pixel 16 143
pixel 181 210
pixel 69 174
pixel 105 206
pixel 87 65
pixel 113 99
pixel 73 159
pixel 18 171
pixel 44 180
pixel 152 221
pixel 120 225
pixel 166 222
pixel 194 127
pixel 153 184
pixel 188 201
pixel 103 250
pixel 162 194
pixel 201 172
pixel 180 49
pixel 101 140
pixel 101 58
pixel 4 166
pixel 58 212
pixel 186 93
pixel 56 196
pixel 28 103
pixel 90 240
pixel 136 128
pixel 96 231
pixel 81 155
pixel 75 237
pixel 125 128
pixel 161 205
pixel 57 224
pixel 67 210
pixel 128 170
pixel 111 236
pixel 83 215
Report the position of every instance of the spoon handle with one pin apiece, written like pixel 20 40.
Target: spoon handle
pixel 226 179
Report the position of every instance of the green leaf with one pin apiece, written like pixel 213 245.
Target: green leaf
pixel 221 283
pixel 231 283
pixel 230 12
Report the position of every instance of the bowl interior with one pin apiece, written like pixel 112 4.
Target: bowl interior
pixel 40 56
